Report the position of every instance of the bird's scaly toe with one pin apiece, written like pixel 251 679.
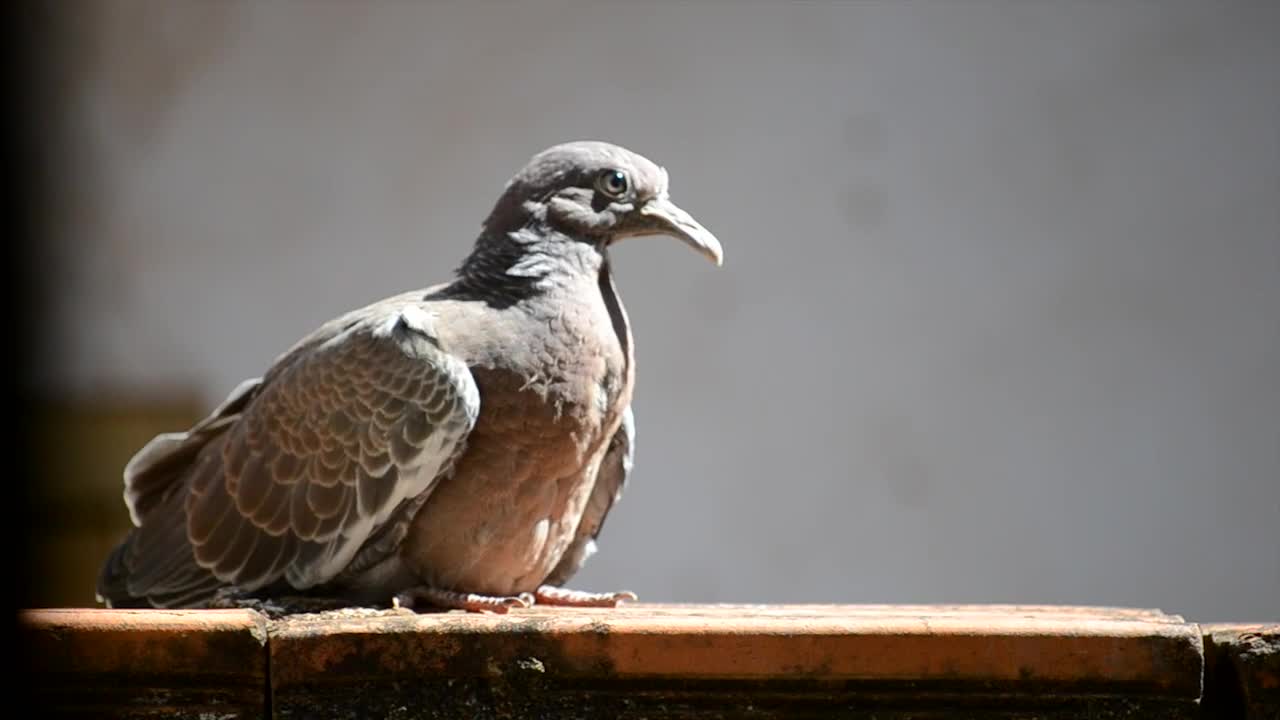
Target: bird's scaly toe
pixel 416 598
pixel 551 595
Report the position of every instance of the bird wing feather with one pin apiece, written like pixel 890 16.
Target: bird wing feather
pixel 293 473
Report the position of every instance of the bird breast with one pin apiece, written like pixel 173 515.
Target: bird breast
pixel 508 513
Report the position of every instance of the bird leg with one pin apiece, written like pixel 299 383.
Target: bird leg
pixel 448 599
pixel 552 595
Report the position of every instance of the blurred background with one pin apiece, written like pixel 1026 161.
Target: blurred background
pixel 999 319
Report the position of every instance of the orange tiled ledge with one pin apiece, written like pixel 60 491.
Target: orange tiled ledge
pixel 652 661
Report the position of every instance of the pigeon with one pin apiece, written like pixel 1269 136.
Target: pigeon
pixel 456 447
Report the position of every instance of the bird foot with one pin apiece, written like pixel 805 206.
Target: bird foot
pixel 471 602
pixel 551 595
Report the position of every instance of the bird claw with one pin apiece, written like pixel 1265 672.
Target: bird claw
pixel 551 595
pixel 451 600
pixel 501 605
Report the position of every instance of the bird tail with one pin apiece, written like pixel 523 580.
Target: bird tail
pixel 155 565
pixel 113 583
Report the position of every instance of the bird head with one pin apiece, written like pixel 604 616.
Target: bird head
pixel 599 193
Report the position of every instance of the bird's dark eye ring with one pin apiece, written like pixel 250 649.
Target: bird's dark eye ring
pixel 613 182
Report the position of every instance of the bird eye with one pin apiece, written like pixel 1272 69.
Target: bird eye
pixel 613 182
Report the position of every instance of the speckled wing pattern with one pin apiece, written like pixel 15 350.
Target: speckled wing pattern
pixel 611 479
pixel 303 467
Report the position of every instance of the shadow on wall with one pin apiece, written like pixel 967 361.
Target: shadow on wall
pixel 138 58
pixel 77 512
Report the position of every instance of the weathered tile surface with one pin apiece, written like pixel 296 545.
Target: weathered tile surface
pixel 98 663
pixel 741 661
pixel 1242 671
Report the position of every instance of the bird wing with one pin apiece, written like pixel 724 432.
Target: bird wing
pixel 611 479
pixel 295 472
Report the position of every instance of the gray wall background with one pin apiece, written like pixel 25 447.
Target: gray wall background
pixel 999 319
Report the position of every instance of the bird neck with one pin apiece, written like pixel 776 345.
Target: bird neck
pixel 507 267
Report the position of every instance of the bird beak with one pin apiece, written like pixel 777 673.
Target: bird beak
pixel 663 217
